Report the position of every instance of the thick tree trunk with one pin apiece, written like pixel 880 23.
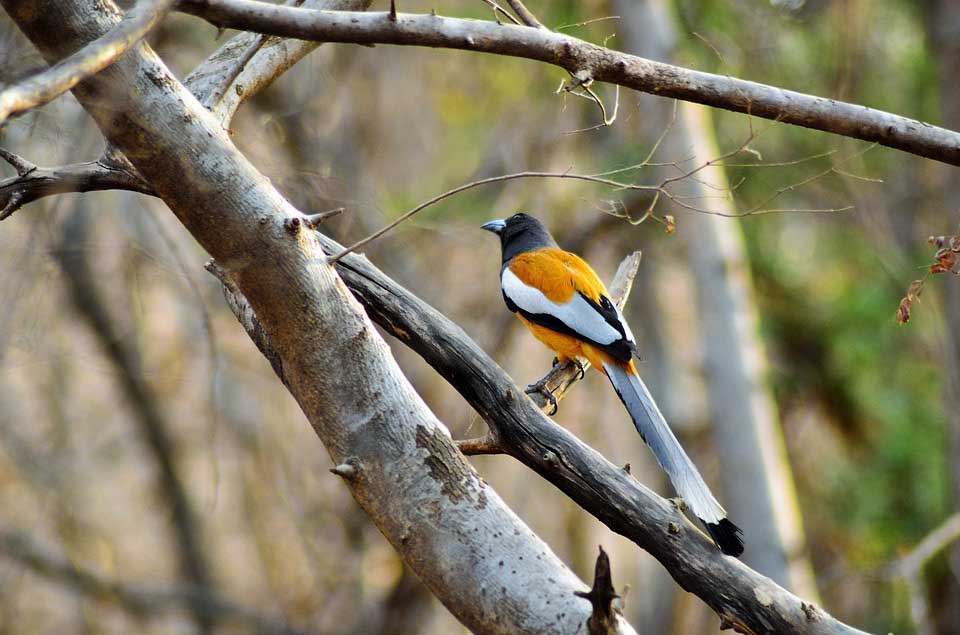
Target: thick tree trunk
pixel 485 565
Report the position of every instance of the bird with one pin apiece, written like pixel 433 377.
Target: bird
pixel 563 302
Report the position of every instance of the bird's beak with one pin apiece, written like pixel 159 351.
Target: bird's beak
pixel 495 226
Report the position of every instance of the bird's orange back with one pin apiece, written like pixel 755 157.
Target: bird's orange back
pixel 558 274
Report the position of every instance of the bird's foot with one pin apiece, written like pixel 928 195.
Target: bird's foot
pixel 541 388
pixel 583 371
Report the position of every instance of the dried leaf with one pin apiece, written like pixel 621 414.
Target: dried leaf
pixel 946 261
pixel 906 304
pixel 670 224
pixel 903 311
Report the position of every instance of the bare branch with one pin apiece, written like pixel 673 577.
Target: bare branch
pixel 483 445
pixel 661 188
pixel 935 542
pixel 407 460
pixel 37 182
pixel 250 68
pixel 586 22
pixel 467 186
pixel 152 601
pixel 498 11
pixel 748 599
pixel 21 165
pixel 601 63
pixel 92 58
pixel 525 14
pixel 909 568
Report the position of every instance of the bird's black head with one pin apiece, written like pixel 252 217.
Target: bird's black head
pixel 520 233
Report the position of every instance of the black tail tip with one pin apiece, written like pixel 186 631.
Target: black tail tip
pixel 727 536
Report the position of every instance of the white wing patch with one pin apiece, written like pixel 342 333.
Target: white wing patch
pixel 626 327
pixel 576 313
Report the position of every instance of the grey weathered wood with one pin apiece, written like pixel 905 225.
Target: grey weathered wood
pixel 741 596
pixel 588 61
pixel 401 466
pixel 112 172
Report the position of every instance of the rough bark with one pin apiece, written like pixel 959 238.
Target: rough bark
pixel 397 459
pixel 587 62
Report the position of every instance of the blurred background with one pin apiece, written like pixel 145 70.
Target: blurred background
pixel 155 477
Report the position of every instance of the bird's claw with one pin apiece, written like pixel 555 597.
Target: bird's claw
pixel 576 362
pixel 573 360
pixel 540 388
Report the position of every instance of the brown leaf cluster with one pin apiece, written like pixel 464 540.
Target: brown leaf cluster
pixel 946 260
pixel 948 254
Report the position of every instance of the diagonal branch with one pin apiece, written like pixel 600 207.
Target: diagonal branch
pixel 38 182
pixel 742 597
pixel 588 61
pixel 49 84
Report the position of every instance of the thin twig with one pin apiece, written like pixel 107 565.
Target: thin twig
pixel 586 22
pixel 607 121
pixel 660 189
pixel 21 165
pixel 314 220
pixel 467 186
pixel 498 10
pixel 49 84
pixel 525 14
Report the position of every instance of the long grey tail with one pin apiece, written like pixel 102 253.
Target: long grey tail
pixel 683 473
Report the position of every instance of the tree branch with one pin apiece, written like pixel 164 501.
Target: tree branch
pixel 525 15
pixel 250 74
pixel 139 600
pixel 38 182
pixel 588 61
pixel 742 597
pixel 450 527
pixel 49 84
